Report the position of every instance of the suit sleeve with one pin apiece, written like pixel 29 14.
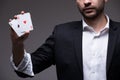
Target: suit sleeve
pixel 43 57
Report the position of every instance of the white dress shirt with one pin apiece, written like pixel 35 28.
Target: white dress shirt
pixel 94 54
pixel 25 65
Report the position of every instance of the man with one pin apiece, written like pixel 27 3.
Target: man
pixel 82 50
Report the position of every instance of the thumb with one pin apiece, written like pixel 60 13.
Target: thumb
pixel 24 37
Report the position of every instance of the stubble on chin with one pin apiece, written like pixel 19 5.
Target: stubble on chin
pixel 92 14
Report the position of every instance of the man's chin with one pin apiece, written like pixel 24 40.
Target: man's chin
pixel 89 16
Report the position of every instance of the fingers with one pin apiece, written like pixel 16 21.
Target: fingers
pixel 15 38
pixel 24 37
pixel 15 17
pixel 22 12
pixel 10 20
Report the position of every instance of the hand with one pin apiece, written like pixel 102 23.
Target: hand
pixel 15 39
pixel 18 44
pixel 18 40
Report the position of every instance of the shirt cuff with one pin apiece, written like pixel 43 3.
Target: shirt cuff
pixel 25 65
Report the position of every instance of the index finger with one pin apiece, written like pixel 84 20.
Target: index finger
pixel 22 12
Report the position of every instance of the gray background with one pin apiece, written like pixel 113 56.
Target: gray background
pixel 45 15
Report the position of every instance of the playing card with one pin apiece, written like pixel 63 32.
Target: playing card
pixel 14 24
pixel 22 24
pixel 24 20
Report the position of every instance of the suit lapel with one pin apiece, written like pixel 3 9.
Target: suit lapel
pixel 111 43
pixel 78 44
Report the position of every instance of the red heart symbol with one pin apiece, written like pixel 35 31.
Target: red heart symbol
pixel 25 22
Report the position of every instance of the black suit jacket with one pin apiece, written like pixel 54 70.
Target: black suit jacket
pixel 64 49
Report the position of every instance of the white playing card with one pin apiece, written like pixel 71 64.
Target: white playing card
pixel 22 24
pixel 14 24
pixel 24 20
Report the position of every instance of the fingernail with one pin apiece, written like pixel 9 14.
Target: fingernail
pixel 22 12
pixel 10 20
pixel 15 16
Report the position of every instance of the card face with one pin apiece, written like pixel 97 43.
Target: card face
pixel 22 24
pixel 14 24
pixel 24 20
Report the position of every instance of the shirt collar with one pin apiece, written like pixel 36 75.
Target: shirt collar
pixel 85 25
